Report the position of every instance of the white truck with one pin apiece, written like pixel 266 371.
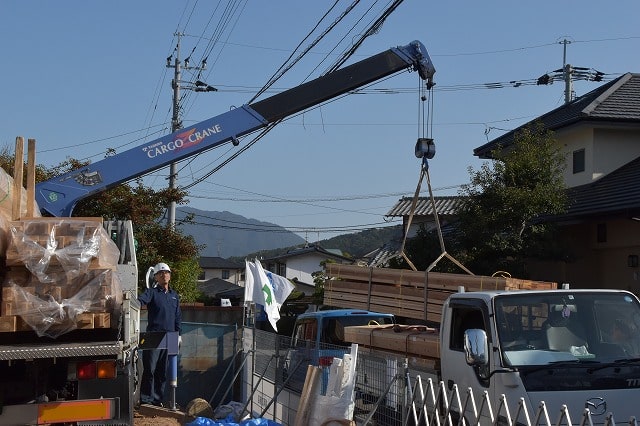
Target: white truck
pixel 69 327
pixel 563 347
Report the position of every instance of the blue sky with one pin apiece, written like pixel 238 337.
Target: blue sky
pixel 82 77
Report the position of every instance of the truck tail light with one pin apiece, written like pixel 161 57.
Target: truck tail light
pixel 86 370
pixel 106 369
pixel 96 370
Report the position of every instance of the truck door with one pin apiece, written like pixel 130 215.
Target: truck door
pixel 463 315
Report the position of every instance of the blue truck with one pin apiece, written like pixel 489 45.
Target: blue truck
pixel 318 338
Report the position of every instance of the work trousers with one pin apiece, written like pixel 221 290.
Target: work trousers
pixel 154 376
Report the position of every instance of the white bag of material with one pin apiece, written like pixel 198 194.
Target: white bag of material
pixel 339 402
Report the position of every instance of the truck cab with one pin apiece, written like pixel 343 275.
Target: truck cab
pixel 557 346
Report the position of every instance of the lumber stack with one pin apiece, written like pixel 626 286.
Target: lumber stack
pixel 410 340
pixel 59 273
pixel 60 276
pixel 406 293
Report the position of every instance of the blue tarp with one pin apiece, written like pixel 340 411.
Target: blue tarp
pixel 229 421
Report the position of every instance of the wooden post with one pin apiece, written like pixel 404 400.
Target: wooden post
pixel 18 166
pixel 31 178
pixel 308 397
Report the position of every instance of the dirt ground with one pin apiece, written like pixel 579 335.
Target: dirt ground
pixel 156 421
pixel 153 416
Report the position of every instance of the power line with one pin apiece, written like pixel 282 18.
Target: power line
pixel 264 227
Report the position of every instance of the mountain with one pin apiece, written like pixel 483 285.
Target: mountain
pixel 355 245
pixel 225 234
pixel 230 235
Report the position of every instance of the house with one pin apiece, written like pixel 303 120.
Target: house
pixel 219 289
pixel 423 213
pixel 413 218
pixel 298 264
pixel 599 134
pixel 217 267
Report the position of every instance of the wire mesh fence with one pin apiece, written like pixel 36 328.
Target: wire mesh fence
pixel 276 372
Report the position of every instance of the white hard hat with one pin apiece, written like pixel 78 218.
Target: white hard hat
pixel 161 267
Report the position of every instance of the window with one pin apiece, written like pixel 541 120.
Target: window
pixel 464 318
pixel 578 161
pixel 305 333
pixel 225 274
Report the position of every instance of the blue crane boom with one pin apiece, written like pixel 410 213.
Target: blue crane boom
pixel 58 196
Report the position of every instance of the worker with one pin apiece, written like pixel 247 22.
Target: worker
pixel 163 314
pixel 622 333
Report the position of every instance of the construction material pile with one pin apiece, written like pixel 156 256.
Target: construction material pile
pixel 405 293
pixel 60 276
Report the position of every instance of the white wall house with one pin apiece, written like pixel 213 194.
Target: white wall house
pixel 298 264
pixel 217 267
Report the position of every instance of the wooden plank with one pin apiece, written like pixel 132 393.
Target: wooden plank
pixel 386 291
pixel 376 290
pixel 31 178
pixel 8 323
pixel 412 340
pixel 382 305
pixel 18 167
pixel 403 278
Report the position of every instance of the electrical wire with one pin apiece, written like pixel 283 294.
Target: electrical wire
pixel 286 66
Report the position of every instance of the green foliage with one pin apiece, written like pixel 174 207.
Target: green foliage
pixel 363 242
pixel 423 250
pixel 319 280
pixel 352 245
pixel 186 273
pixel 501 221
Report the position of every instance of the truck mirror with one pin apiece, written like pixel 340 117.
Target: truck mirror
pixel 475 347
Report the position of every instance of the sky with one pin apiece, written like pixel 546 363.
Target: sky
pixel 86 77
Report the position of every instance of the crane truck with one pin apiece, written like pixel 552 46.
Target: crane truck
pixel 87 376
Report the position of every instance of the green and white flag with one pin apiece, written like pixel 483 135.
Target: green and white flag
pixel 258 289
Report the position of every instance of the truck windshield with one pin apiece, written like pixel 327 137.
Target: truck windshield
pixel 549 328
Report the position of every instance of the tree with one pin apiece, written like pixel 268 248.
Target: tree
pixel 424 249
pixel 144 206
pixel 501 221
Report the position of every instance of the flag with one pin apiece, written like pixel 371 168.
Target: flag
pixel 282 287
pixel 252 292
pixel 258 289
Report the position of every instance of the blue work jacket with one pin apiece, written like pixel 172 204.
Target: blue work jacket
pixel 163 309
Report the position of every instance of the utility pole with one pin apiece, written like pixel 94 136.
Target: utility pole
pixel 176 122
pixel 567 71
